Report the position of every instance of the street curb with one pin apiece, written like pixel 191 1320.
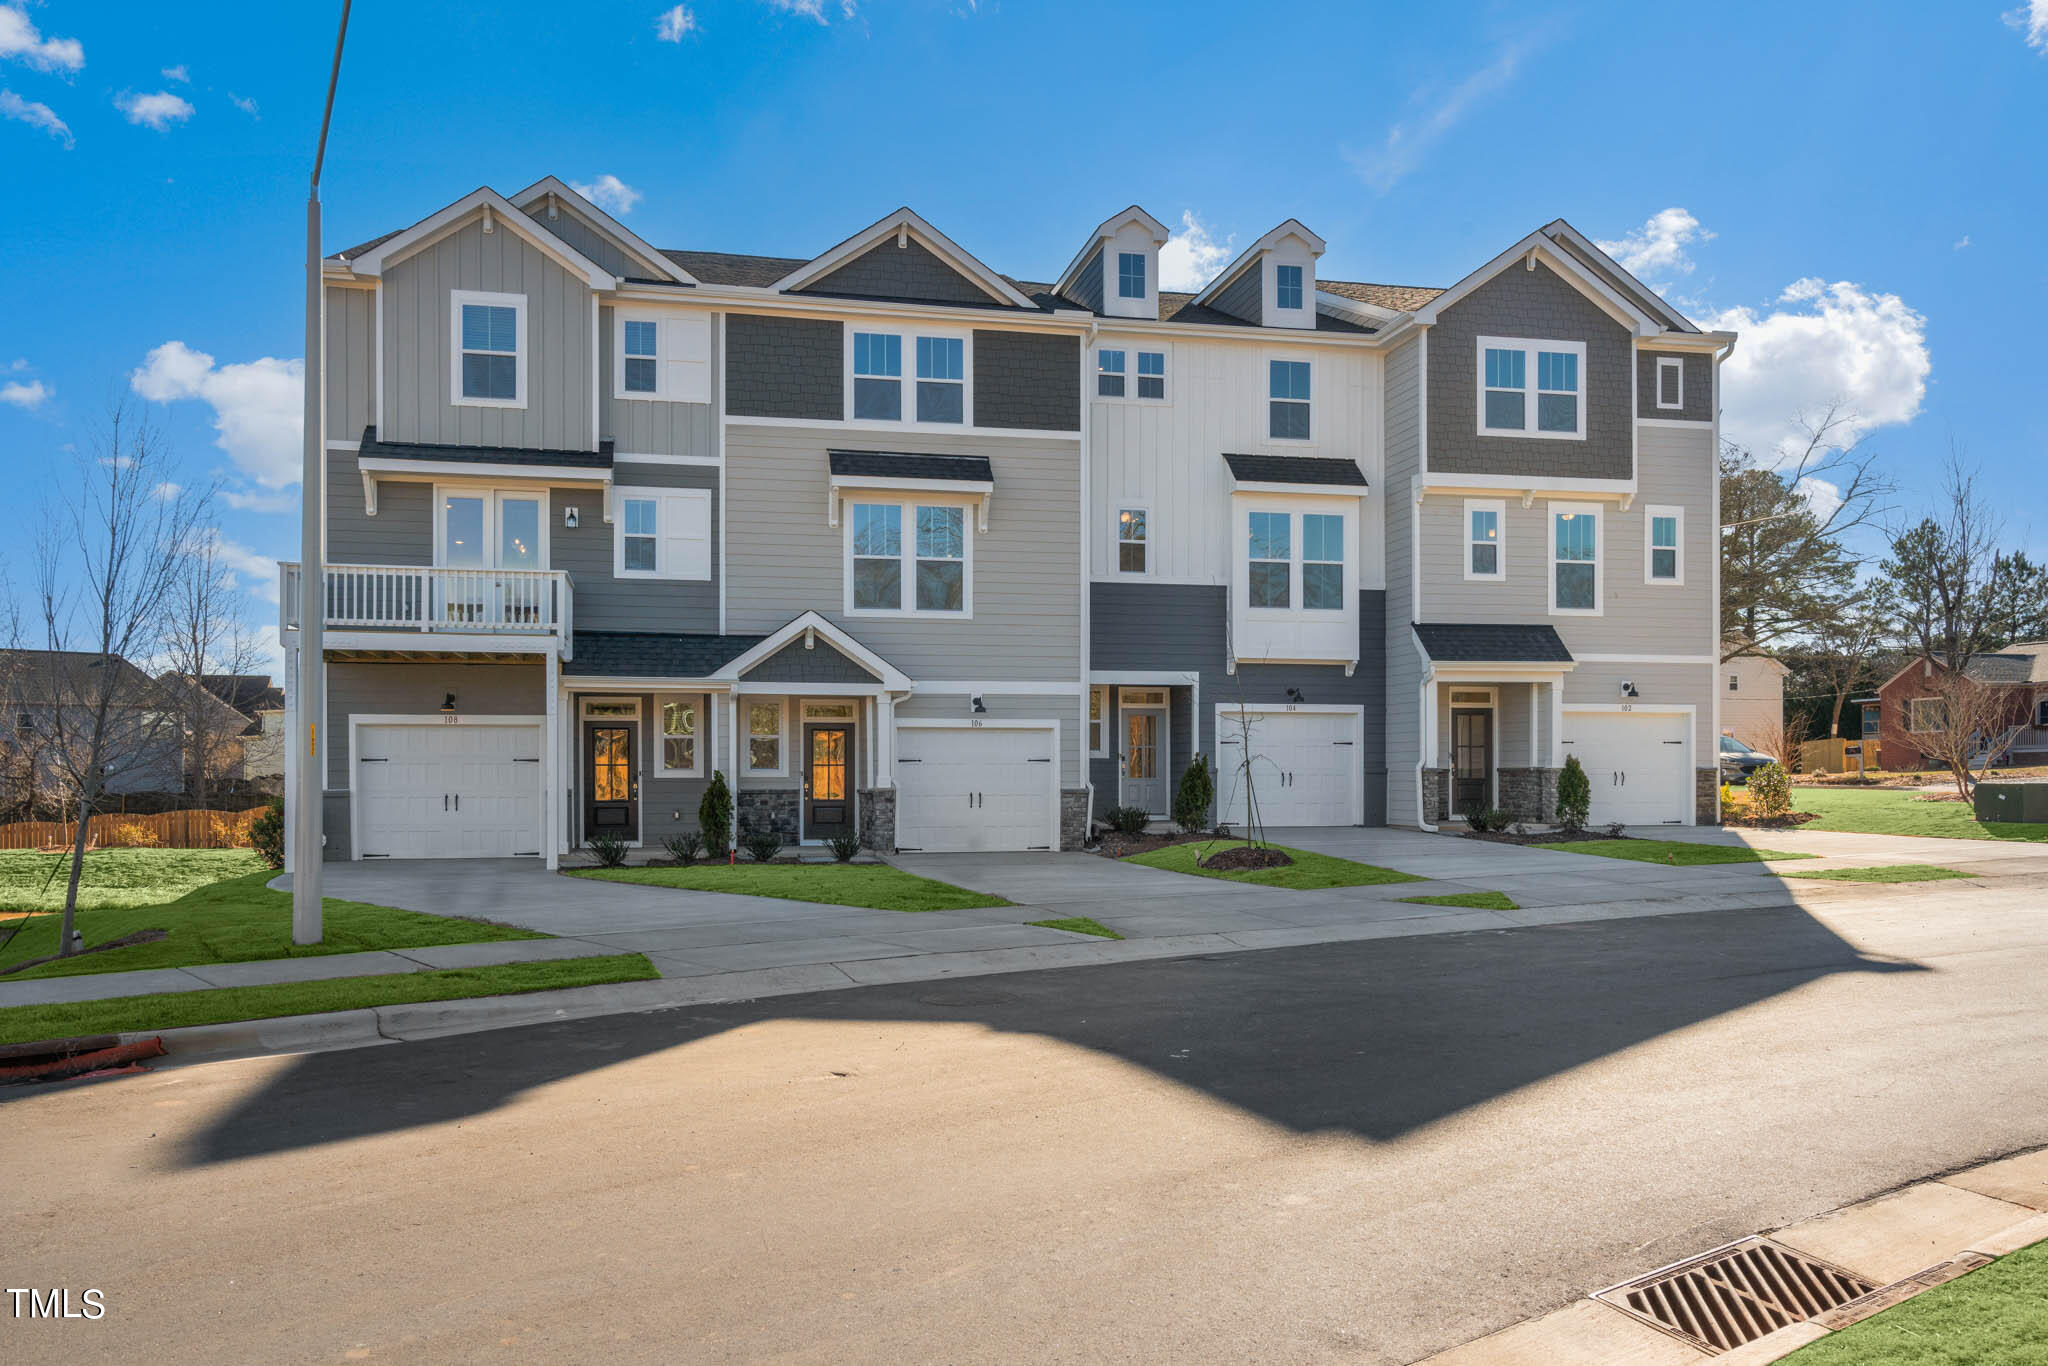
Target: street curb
pixel 257 1038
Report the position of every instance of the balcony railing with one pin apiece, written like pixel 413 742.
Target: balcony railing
pixel 414 598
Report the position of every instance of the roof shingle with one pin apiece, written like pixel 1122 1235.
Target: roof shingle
pixel 634 654
pixel 896 465
pixel 1472 642
pixel 1295 469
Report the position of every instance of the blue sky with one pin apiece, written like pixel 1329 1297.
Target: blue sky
pixel 1860 188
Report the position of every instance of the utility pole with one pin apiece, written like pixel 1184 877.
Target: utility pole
pixel 308 834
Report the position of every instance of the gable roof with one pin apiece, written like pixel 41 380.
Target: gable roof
pixel 1106 229
pixel 1293 227
pixel 904 224
pixel 373 256
pixel 2022 662
pixel 891 677
pixel 611 227
pixel 1584 266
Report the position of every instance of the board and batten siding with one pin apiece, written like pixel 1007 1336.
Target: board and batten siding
pixel 1403 437
pixel 419 356
pixel 784 559
pixel 645 426
pixel 1168 457
pixel 350 362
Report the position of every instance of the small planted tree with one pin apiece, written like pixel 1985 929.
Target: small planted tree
pixel 1574 796
pixel 266 833
pixel 1197 793
pixel 1770 793
pixel 714 815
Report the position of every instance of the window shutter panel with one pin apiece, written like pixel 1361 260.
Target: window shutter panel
pixel 686 534
pixel 686 359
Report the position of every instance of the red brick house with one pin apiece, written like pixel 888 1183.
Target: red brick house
pixel 1909 709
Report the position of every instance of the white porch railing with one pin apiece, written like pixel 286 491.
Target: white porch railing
pixel 414 598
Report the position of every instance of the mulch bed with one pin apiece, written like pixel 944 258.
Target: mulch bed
pixel 1248 856
pixel 1113 845
pixel 1785 822
pixel 1539 837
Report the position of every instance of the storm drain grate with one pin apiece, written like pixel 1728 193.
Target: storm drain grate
pixel 1736 1294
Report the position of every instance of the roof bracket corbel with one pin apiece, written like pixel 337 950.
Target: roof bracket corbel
pixel 1528 499
pixel 1529 262
pixel 1628 500
pixel 810 637
pixel 981 515
pixel 831 505
pixel 902 236
pixel 490 220
pixel 607 500
pixel 554 210
pixel 1350 667
pixel 369 494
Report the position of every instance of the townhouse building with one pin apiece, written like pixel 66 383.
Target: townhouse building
pixel 911 549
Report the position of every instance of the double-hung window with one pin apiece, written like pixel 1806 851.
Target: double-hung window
pixel 1287 386
pixel 877 377
pixel 1532 388
pixel 1575 565
pixel 1664 545
pixel 1113 377
pixel 1322 562
pixel 1271 555
pixel 639 535
pixel 662 534
pixel 1485 551
pixel 680 755
pixel 490 361
pixel 933 559
pixel 1287 286
pixel 1151 374
pixel 938 374
pixel 941 379
pixel 1130 275
pixel 1109 373
pixel 1133 540
pixel 877 557
pixel 1275 558
pixel 641 359
pixel 941 559
pixel 764 736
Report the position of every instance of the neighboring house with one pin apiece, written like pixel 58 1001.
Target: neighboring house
pixel 1908 710
pixel 1753 698
pixel 913 549
pixel 261 705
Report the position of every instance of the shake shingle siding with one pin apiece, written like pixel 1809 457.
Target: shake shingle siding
pixel 819 664
pixel 910 272
pixel 1698 391
pixel 784 367
pixel 1027 380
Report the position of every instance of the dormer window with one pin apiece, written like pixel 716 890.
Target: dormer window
pixel 1130 275
pixel 1287 287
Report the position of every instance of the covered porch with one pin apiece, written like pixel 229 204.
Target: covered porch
pixel 1492 720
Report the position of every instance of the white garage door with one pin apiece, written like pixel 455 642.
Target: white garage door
pixel 962 789
pixel 440 791
pixel 1639 764
pixel 1305 767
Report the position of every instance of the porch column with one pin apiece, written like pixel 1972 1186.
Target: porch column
pixel 1533 687
pixel 732 746
pixel 551 766
pixel 1557 724
pixel 885 741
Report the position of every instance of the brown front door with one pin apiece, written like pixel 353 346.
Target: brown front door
pixel 611 779
pixel 828 782
pixel 1471 760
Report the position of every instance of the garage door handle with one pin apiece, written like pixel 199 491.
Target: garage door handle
pixel 458 801
pixel 444 801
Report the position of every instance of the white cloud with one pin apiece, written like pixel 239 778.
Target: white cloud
pixel 178 74
pixel 1964 241
pixel 1433 113
pixel 257 500
pixel 2031 21
pixel 246 568
pixel 257 405
pixel 34 114
pixel 169 490
pixel 20 40
pixel 813 9
pixel 158 111
pixel 1191 257
pixel 29 395
pixel 1656 250
pixel 246 106
pixel 672 24
pixel 1818 345
pixel 609 193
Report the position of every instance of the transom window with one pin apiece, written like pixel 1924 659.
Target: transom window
pixel 1287 287
pixel 939 374
pixel 490 365
pixel 1664 548
pixel 932 560
pixel 1322 562
pixel 641 358
pixel 1133 540
pixel 764 737
pixel 1271 552
pixel 1109 373
pixel 679 753
pixel 1483 539
pixel 1552 407
pixel 878 376
pixel 1130 275
pixel 941 379
pixel 1575 570
pixel 1288 383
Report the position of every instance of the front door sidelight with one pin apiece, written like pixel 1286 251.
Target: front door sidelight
pixel 828 782
pixel 611 779
pixel 1471 760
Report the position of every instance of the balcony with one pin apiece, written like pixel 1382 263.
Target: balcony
pixel 385 597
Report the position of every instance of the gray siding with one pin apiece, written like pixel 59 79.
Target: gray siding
pixel 1088 284
pixel 1403 418
pixel 1105 774
pixel 1533 304
pixel 418 358
pixel 640 426
pixel 1030 380
pixel 819 664
pixel 784 367
pixel 910 271
pixel 604 603
pixel 1185 627
pixel 1699 386
pixel 402 532
pixel 350 362
pixel 586 238
pixel 1069 711
pixel 1243 299
pixel 785 559
pixel 668 806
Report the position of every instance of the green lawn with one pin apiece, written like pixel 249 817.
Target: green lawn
pixel 234 921
pixel 1678 853
pixel 1995 1316
pixel 1478 901
pixel 874 885
pixel 114 878
pixel 1888 872
pixel 1079 924
pixel 1898 813
pixel 1308 872
pixel 173 1009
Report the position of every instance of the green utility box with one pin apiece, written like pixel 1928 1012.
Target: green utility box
pixel 2006 802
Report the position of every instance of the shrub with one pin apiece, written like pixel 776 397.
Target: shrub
pixel 1770 793
pixel 1127 820
pixel 1574 796
pixel 687 847
pixel 266 833
pixel 1616 830
pixel 609 850
pixel 714 815
pixel 761 845
pixel 844 847
pixel 1192 800
pixel 1492 818
pixel 129 835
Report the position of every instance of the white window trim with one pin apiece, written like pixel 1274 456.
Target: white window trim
pixel 1297 587
pixel 1306 286
pixel 702 737
pixel 1131 351
pixel 490 493
pixel 909 336
pixel 1499 508
pixel 1553 510
pixel 1650 513
pixel 622 492
pixel 1913 726
pixel 1116 532
pixel 1677 364
pixel 619 358
pixel 523 345
pixel 744 721
pixel 909 556
pixel 1098 738
pixel 1165 378
pixel 1314 388
pixel 1529 346
pixel 1144 265
pixel 1125 374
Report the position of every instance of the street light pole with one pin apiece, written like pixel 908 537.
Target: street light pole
pixel 308 835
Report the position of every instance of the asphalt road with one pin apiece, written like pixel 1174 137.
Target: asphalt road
pixel 1363 1152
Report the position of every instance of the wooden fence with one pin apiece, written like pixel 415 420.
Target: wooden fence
pixel 1832 756
pixel 164 830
